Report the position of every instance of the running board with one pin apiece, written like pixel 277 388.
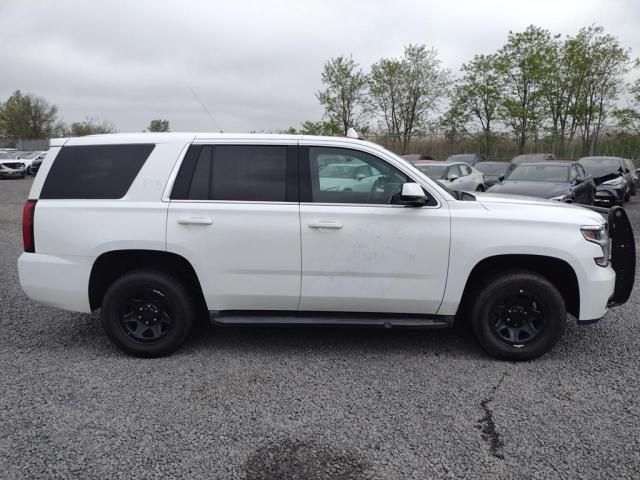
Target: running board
pixel 331 319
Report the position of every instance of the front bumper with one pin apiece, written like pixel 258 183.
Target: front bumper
pixel 12 173
pixel 608 196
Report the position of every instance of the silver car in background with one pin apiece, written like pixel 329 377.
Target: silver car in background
pixel 10 167
pixel 457 176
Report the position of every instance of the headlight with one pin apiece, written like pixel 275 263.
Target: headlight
pixel 613 181
pixel 598 234
pixel 561 198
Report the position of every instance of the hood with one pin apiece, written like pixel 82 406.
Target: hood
pixel 604 177
pixel 532 189
pixel 551 208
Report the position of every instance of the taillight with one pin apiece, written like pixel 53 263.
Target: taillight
pixel 27 226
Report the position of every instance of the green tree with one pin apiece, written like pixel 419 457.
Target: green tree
pixel 158 125
pixel 603 64
pixel 522 64
pixel 92 126
pixel 331 129
pixel 27 117
pixel 344 96
pixel 476 98
pixel 406 90
pixel 628 117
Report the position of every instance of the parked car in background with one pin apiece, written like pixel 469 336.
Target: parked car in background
pixel 354 176
pixel 468 158
pixel 457 176
pixel 554 180
pixel 494 172
pixel 530 158
pixel 633 187
pixel 28 158
pixel 609 175
pixel 35 165
pixel 412 158
pixel 10 167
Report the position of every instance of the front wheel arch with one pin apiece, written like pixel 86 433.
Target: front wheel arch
pixel 557 271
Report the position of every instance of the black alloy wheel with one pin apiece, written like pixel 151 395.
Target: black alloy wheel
pixel 518 318
pixel 518 315
pixel 148 313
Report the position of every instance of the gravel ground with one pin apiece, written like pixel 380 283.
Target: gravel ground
pixel 307 403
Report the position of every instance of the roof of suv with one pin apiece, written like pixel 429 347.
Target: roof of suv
pixel 168 137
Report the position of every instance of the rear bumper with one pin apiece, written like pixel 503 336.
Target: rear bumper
pixel 56 281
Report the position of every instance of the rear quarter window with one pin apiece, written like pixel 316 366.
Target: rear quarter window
pixel 95 171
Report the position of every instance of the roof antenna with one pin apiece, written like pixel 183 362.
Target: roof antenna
pixel 352 133
pixel 216 124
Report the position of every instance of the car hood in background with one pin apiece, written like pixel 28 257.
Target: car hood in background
pixel 533 189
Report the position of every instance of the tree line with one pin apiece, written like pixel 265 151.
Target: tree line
pixel 566 90
pixel 30 117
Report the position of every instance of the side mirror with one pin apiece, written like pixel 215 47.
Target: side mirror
pixel 501 177
pixel 360 176
pixel 453 177
pixel 413 195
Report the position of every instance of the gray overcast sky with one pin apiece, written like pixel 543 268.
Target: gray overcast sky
pixel 255 65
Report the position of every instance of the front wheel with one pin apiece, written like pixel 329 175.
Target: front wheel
pixel 518 316
pixel 147 313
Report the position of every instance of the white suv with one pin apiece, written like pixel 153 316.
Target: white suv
pixel 156 230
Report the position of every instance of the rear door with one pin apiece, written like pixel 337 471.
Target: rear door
pixel 234 214
pixel 361 250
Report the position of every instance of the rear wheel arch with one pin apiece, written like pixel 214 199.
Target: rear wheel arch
pixel 109 266
pixel 560 273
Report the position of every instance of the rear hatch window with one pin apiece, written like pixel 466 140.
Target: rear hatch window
pixel 95 171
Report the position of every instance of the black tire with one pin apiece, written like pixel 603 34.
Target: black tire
pixel 523 306
pixel 480 188
pixel 147 313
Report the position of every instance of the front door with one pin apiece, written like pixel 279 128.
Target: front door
pixel 234 214
pixel 361 250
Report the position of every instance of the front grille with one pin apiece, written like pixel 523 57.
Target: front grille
pixel 14 165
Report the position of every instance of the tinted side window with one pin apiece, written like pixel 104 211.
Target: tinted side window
pixel 466 170
pixel 233 172
pixel 95 172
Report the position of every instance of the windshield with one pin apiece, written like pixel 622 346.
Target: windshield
pixel 540 173
pixel 492 168
pixel 601 165
pixel 432 171
pixel 338 171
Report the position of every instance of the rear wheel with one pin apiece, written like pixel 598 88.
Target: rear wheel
pixel 480 188
pixel 147 313
pixel 518 316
